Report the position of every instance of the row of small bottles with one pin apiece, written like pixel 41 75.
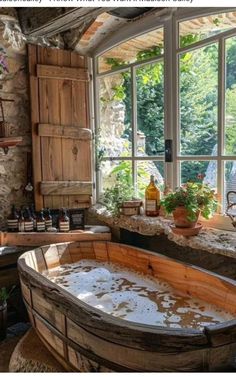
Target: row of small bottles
pixel 29 221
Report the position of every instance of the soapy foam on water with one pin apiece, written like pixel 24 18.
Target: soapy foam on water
pixel 134 297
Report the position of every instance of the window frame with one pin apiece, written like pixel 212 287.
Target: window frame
pixel 132 67
pixel 169 19
pixel 220 157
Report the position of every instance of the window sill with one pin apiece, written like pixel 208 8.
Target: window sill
pixel 212 240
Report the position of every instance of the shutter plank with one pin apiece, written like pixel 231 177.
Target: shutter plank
pixel 65 188
pixel 34 108
pixel 63 73
pixel 64 59
pixel 54 130
pixel 80 160
pixel 50 113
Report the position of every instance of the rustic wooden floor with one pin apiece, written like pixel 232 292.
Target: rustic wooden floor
pixel 7 346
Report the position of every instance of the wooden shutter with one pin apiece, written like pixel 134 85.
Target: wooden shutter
pixel 61 138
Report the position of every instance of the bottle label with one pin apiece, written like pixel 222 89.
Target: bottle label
pixel 40 226
pixel 48 223
pixel 21 226
pixel 64 226
pixel 29 226
pixel 12 224
pixel 151 205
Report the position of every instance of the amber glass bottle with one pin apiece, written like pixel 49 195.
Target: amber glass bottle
pixel 12 220
pixel 48 219
pixel 33 215
pixel 40 222
pixel 29 221
pixel 152 198
pixel 21 221
pixel 64 221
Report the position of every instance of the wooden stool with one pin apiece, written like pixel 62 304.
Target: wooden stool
pixel 30 355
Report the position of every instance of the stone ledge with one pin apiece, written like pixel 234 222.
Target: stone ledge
pixel 211 240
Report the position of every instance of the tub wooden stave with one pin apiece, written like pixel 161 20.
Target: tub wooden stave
pixel 75 331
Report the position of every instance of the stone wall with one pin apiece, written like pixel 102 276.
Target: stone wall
pixel 13 166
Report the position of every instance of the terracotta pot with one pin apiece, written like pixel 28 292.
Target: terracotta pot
pixel 3 320
pixel 180 215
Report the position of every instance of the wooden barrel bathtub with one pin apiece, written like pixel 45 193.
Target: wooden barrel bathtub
pixel 83 338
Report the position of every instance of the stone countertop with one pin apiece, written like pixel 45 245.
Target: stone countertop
pixel 214 241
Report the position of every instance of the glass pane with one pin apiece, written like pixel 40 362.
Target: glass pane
pixel 198 75
pixel 115 135
pixel 230 97
pixel 230 184
pixel 112 172
pixel 197 29
pixel 190 171
pixel 150 109
pixel 144 170
pixel 143 47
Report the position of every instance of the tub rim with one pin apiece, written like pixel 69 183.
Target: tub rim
pixel 28 274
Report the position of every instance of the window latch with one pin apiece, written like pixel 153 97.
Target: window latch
pixel 168 150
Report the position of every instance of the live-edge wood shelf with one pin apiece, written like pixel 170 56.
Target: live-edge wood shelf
pixel 46 238
pixel 7 142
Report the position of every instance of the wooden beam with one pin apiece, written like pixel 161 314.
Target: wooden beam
pixel 38 239
pixel 53 130
pixel 65 188
pixel 50 21
pixel 63 73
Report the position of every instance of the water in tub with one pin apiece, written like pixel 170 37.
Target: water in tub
pixel 134 297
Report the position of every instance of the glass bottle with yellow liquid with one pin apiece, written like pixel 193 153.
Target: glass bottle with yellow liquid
pixel 152 199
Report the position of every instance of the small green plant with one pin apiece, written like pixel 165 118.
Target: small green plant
pixel 122 190
pixel 114 196
pixel 5 294
pixel 194 196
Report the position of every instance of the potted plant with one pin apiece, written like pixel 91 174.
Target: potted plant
pixel 4 296
pixel 121 189
pixel 190 200
pixel 114 196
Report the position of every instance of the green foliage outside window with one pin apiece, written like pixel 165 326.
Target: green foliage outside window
pixel 198 100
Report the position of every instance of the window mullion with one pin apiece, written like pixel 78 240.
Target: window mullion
pixel 169 99
pixel 96 124
pixel 134 126
pixel 221 117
